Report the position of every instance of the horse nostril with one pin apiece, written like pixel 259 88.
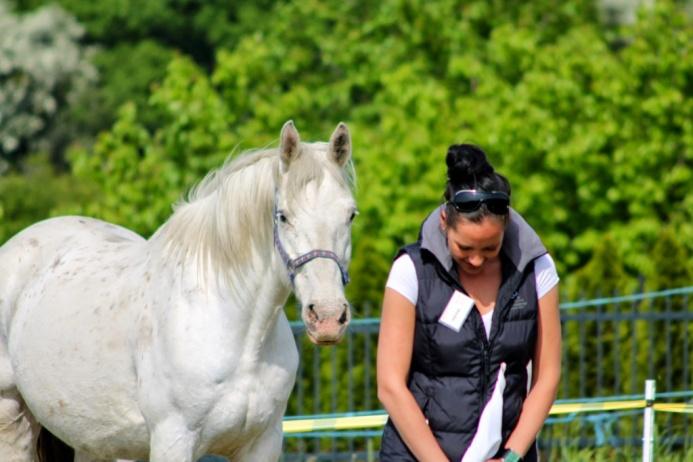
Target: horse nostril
pixel 312 315
pixel 344 316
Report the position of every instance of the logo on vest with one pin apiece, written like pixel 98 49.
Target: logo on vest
pixel 519 303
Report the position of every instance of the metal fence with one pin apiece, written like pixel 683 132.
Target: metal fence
pixel 610 347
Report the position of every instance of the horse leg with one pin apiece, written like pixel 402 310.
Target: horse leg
pixel 50 448
pixel 172 440
pixel 18 429
pixel 266 447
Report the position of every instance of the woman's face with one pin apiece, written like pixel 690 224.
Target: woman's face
pixel 473 245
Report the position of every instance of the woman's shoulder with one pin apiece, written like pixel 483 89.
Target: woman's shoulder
pixel 546 274
pixel 402 278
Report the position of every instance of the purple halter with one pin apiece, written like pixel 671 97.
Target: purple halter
pixel 292 265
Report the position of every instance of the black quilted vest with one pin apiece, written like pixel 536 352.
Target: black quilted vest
pixel 452 374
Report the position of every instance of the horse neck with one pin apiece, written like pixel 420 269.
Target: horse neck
pixel 223 240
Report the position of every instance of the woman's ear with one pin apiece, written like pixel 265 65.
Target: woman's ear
pixel 443 219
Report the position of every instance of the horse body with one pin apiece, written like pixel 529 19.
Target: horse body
pixel 47 323
pixel 177 346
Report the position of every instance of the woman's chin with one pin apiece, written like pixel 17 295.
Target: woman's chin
pixel 471 270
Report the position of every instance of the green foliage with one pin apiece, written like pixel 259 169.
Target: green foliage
pixel 594 136
pixel 34 194
pixel 127 73
pixel 140 174
pixel 603 275
pixel 671 260
pixel 609 454
pixel 193 27
pixel 595 140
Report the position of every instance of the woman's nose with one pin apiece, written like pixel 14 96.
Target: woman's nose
pixel 476 260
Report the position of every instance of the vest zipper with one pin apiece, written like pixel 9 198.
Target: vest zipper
pixel 486 350
pixel 485 347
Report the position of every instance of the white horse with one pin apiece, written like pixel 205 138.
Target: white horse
pixel 174 347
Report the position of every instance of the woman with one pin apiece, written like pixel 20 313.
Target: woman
pixel 470 309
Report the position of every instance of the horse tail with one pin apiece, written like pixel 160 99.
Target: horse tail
pixel 51 449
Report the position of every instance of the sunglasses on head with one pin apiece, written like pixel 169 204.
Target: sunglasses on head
pixel 470 200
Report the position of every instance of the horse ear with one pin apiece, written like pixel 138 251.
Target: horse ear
pixel 289 143
pixel 340 144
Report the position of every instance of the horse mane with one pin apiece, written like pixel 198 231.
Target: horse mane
pixel 228 215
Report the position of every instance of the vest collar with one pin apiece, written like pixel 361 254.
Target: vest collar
pixel 521 244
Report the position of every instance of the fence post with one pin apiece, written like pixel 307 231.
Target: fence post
pixel 648 422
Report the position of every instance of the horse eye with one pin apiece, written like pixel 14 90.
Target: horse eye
pixel 353 215
pixel 282 217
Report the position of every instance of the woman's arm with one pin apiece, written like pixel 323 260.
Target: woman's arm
pixel 546 375
pixel 395 345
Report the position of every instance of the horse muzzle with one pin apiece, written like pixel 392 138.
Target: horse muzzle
pixel 326 322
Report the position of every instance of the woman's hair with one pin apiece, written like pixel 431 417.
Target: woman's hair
pixel 469 169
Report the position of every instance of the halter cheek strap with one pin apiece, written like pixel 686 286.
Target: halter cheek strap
pixel 292 265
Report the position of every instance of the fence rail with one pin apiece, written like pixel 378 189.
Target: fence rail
pixel 611 346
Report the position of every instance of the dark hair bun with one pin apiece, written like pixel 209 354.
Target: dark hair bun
pixel 467 163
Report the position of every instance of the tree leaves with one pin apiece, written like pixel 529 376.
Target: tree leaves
pixel 591 124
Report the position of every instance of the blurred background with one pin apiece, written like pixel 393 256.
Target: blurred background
pixel 116 108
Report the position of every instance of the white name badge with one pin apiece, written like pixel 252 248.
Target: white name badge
pixel 456 311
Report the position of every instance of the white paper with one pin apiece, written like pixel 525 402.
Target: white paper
pixel 487 438
pixel 456 311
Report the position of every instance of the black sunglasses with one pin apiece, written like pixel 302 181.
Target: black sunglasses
pixel 470 200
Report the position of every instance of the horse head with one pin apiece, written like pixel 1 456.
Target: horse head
pixel 314 209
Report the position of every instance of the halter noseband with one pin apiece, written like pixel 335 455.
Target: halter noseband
pixel 292 265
